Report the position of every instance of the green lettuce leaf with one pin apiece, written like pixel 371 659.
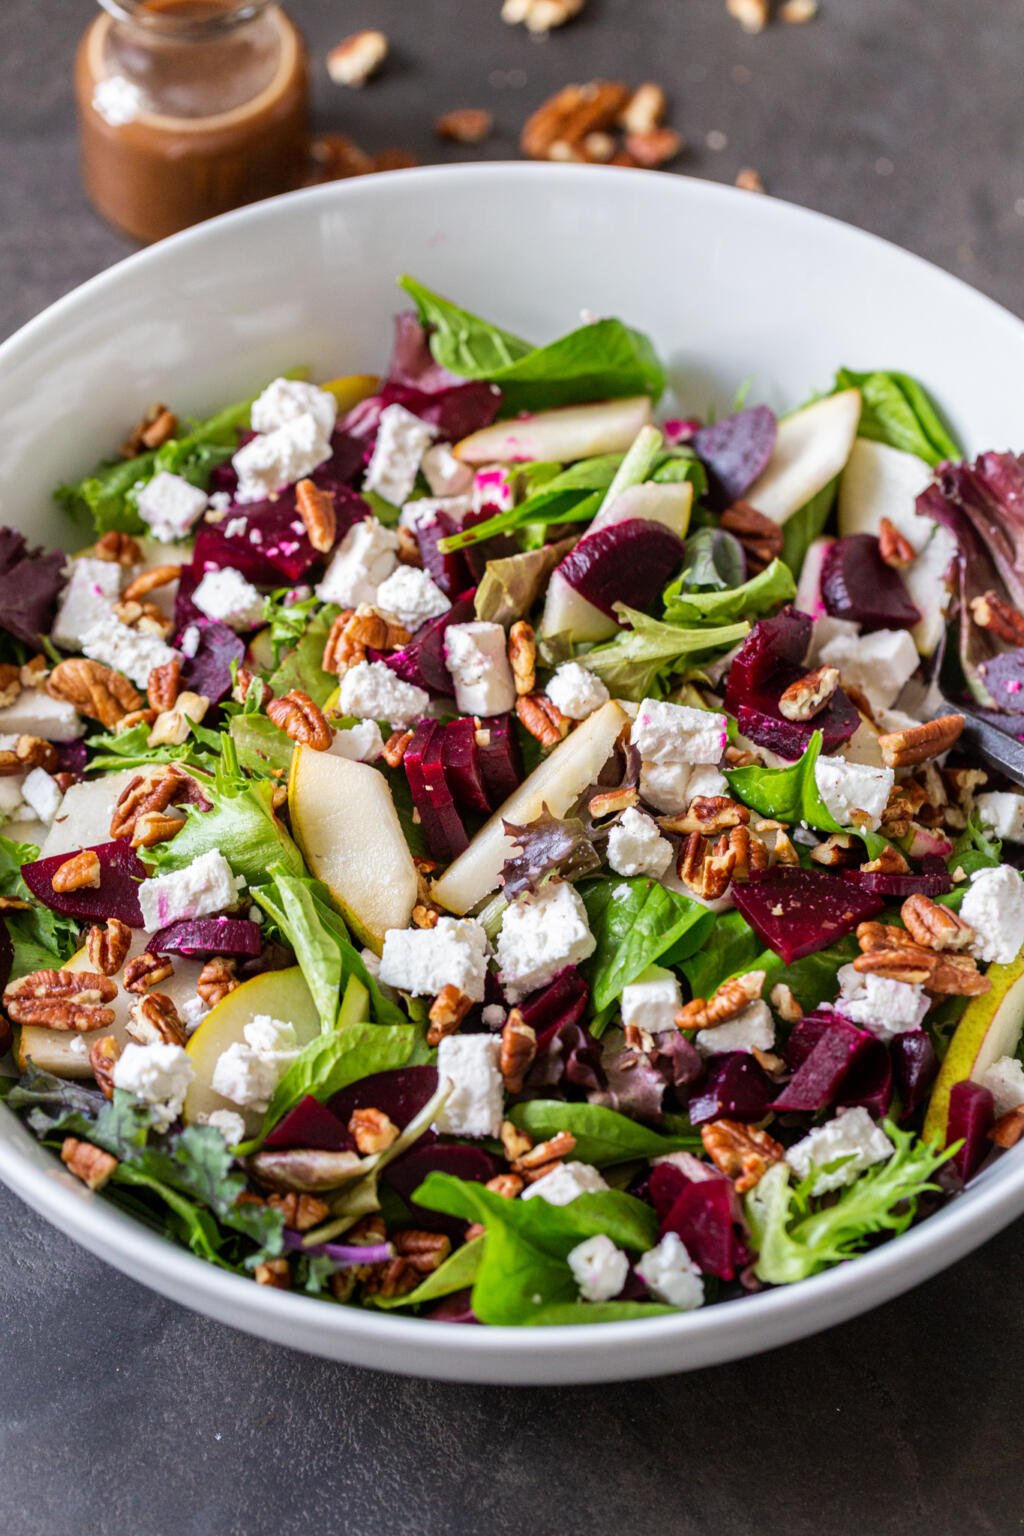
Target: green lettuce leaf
pixel 263 748
pixel 791 795
pixel 644 656
pixel 603 1136
pixel 302 668
pixel 114 751
pixel 797 1235
pixel 732 948
pixel 635 922
pixel 899 411
pixel 241 825
pixel 41 939
pixel 287 622
pixel 762 594
pixel 595 362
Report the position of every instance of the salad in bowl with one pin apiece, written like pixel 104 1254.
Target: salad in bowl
pixel 477 848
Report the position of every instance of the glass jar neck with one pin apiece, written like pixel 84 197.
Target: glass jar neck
pixel 184 20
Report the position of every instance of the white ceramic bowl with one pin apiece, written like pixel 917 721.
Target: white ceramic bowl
pixel 731 287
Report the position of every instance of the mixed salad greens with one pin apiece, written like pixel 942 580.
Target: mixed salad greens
pixel 471 850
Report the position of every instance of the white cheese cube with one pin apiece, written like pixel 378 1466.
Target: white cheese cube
pixel 855 793
pixel 652 1001
pixel 666 786
pixel 245 1077
pixel 753 1029
pixel 362 743
pixel 576 692
pixel 423 960
pixel 35 713
pixel 92 590
pixel 170 505
pixel 445 474
pixel 677 733
pixel 541 933
pixel 402 440
pixel 994 907
pixel 475 655
pixel 1004 1080
pixel 853 1136
pixel 886 1008
pixel 879 664
pixel 563 1184
pixel 371 691
pixel 227 596
pixel 286 399
pixel 409 597
pixel 206 886
pixel 365 557
pixel 268 463
pixel 42 794
pixel 159 1075
pixel 1004 813
pixel 131 651
pixel 598 1267
pixel 636 847
pixel 230 1125
pixel 671 1275
pixel 474 1106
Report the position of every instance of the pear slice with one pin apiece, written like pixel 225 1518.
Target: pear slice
pixel 350 388
pixel 53 1050
pixel 811 449
pixel 345 822
pixel 990 1027
pixel 563 435
pixel 669 504
pixel 279 994
pixel 556 783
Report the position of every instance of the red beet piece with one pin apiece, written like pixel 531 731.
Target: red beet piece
pixel 915 1068
pixel 206 936
pixel 424 769
pixel 562 1001
pixel 798 911
pixel 310 1124
pixel 761 720
pixel 400 1094
pixel 628 562
pixel 734 1086
pixel 933 879
pixel 735 451
pixel 971 1116
pixel 117 894
pixel 822 1073
pixel 781 641
pixel 461 757
pixel 208 672
pixel 449 571
pixel 708 1220
pixel 857 584
pixel 501 765
pixel 456 1308
pixel 421 662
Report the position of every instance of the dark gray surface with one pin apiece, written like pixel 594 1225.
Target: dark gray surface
pixel 123 1415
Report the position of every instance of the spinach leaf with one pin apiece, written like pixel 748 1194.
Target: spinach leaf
pixel 806 524
pixel 976 848
pixel 899 411
pixel 730 948
pixel 762 594
pixel 791 794
pixel 635 921
pixel 241 825
pixel 560 1313
pixel 596 362
pixel 523 1268
pixel 302 668
pixel 644 656
pixel 603 1136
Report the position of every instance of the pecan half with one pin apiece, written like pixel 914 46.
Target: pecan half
pixel 107 947
pixel 894 548
pixel 810 694
pixel 103 1055
pixel 145 971
pixel 372 1130
pixel 567 117
pixel 78 873
pixel 447 1012
pixel 738 852
pixel 142 795
pixel 760 536
pixel 90 1164
pixel 395 748
pixel 933 926
pixel 518 1049
pixel 301 1212
pixel 992 612
pixel 709 814
pixel 541 1158
pixel 164 684
pixel 65 1000
pixel 154 1020
pixel 542 719
pixel 918 743
pixel 951 975
pixel 522 656
pixel 340 650
pixel 150 581
pixel 319 518
pixel 216 979
pixel 741 1151
pixel 95 690
pixel 729 1000
pixel 156 427
pixel 873 935
pixel 705 872
pixel 154 827
pixel 301 719
pixel 118 549
pixel 464 125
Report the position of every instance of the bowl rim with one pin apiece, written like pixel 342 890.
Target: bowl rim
pixel 756 1322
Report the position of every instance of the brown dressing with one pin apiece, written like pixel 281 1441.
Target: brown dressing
pixel 185 111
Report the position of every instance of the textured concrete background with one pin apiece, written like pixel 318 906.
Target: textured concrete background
pixel 123 1415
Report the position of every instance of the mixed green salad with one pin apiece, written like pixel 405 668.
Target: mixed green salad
pixel 477 847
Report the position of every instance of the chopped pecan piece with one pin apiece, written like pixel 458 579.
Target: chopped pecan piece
pixel 541 1158
pixel 729 1000
pixel 217 978
pixel 90 1164
pixel 301 1212
pixel 507 1185
pixel 608 802
pixel 522 656
pixel 540 16
pixel 514 1141
pixel 760 536
pixel 542 719
pixel 738 852
pixel 301 719
pixel 894 548
pixel 34 752
pixel 518 1049
pixel 65 1000
pixel 103 1055
pixel 150 581
pixel 275 1273
pixel 657 147
pixel 709 814
pixel 810 694
pixel 840 851
pixel 749 180
pixel 372 1130
pixel 95 690
pixel 357 57
pixel 118 549
pixel 889 862
pixel 157 426
pixel 78 873
pixel 319 518
pixel 145 971
pixel 752 15
pixel 785 1004
pixel 447 1012
pixel 741 1151
pixel 154 827
pixel 465 125
pixel 154 1020
pixel 10 683
pixel 992 612
pixel 918 743
pixel 644 110
pixel 933 926
pixel 1009 1128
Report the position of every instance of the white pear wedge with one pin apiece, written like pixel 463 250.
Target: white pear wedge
pixel 669 504
pixel 811 449
pixel 990 1027
pixel 563 435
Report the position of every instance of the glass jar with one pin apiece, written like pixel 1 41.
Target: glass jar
pixel 188 108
